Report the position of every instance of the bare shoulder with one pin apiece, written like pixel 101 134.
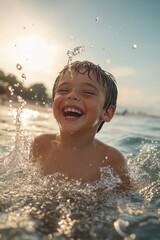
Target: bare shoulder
pixel 112 155
pixel 41 144
pixel 115 159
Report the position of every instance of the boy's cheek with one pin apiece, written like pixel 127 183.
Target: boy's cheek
pixel 56 101
pixel 55 107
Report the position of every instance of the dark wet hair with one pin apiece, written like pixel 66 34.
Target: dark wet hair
pixel 104 78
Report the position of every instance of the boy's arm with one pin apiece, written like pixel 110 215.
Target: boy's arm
pixel 118 163
pixel 123 173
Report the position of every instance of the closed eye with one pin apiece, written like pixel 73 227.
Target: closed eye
pixel 63 90
pixel 89 92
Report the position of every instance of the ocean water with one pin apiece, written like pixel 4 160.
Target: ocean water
pixel 35 207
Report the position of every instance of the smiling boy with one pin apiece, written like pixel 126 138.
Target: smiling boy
pixel 84 97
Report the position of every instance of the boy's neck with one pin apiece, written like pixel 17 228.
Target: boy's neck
pixel 74 140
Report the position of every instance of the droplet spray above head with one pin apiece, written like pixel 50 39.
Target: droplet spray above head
pixel 104 78
pixel 73 53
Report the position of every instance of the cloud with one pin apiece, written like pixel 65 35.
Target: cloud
pixel 122 71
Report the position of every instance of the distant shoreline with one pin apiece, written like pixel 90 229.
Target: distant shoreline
pixel 30 105
pixel 41 108
pixel 138 114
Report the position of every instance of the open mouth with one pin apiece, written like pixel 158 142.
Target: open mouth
pixel 72 112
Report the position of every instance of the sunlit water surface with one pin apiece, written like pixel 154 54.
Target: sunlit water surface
pixel 36 207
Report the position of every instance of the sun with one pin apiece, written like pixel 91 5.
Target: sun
pixel 35 53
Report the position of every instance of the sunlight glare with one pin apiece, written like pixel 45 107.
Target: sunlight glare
pixel 35 53
pixel 26 114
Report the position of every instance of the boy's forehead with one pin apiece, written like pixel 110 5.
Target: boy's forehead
pixel 83 77
pixel 72 74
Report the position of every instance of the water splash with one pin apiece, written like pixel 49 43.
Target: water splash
pixel 136 226
pixel 73 53
pixel 42 205
pixel 54 207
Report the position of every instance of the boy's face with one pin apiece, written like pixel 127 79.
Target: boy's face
pixel 78 102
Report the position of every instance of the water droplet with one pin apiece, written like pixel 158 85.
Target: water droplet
pixel 134 46
pixel 97 19
pixel 71 37
pixel 70 55
pixel 19 98
pixel 92 46
pixel 11 90
pixel 108 61
pixel 23 76
pixel 18 66
pixel 78 50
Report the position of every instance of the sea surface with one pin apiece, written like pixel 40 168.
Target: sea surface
pixel 34 207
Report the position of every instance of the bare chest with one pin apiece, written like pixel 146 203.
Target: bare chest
pixel 75 164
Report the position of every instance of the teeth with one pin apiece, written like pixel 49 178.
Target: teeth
pixel 68 109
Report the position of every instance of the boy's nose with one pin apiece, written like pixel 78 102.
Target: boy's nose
pixel 73 95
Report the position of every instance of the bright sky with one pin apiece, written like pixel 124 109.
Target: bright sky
pixel 122 36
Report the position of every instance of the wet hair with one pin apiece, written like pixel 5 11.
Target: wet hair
pixel 104 78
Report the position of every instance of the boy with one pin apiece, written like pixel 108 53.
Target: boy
pixel 84 97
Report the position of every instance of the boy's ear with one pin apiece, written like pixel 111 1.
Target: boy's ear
pixel 108 113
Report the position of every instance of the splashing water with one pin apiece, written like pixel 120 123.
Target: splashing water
pixel 34 206
pixel 73 53
pixel 51 207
